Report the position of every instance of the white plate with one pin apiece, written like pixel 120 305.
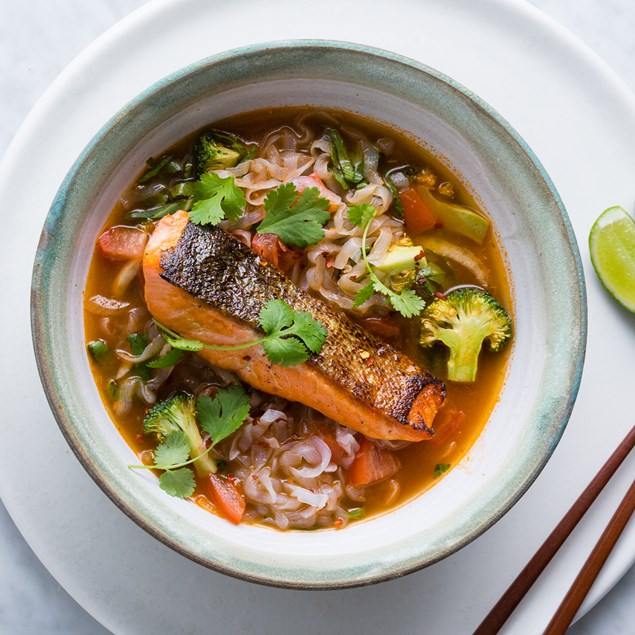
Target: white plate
pixel 577 117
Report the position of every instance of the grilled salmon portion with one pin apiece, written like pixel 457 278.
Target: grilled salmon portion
pixel 204 284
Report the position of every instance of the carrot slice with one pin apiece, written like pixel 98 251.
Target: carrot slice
pixel 225 495
pixel 371 464
pixel 123 243
pixel 416 211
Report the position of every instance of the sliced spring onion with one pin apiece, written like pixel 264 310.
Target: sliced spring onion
pixel 98 350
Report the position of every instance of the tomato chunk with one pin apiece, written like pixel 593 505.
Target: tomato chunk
pixel 272 249
pixel 267 246
pixel 446 423
pixel 416 212
pixel 225 495
pixel 372 464
pixel 382 327
pixel 123 243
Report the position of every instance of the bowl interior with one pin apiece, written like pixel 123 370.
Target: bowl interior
pixel 541 259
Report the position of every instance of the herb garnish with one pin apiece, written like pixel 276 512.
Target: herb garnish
pixel 138 343
pixel 289 335
pixel 408 303
pixel 348 167
pixel 172 357
pixel 158 165
pixel 216 198
pixel 156 213
pixel 219 417
pixel 224 414
pixel 296 220
pixel 440 469
pixel 98 350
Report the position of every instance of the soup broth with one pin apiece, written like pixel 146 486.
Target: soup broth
pixel 297 145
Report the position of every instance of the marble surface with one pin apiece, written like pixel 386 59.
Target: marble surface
pixel 37 39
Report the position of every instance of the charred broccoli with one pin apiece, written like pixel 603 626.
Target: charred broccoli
pixel 463 320
pixel 217 150
pixel 179 414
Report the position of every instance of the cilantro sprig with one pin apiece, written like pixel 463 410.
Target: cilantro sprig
pixel 408 303
pixel 216 198
pixel 298 221
pixel 223 414
pixel 289 335
pixel 218 416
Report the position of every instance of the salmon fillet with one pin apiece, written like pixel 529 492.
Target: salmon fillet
pixel 206 285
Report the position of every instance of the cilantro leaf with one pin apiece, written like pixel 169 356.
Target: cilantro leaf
pixel 285 352
pixel 361 215
pixel 179 483
pixel 216 198
pixel 223 414
pixel 364 294
pixel 289 335
pixel 297 221
pixel 310 331
pixel 172 357
pixel 174 450
pixel 274 316
pixel 282 326
pixel 408 303
pixel 176 341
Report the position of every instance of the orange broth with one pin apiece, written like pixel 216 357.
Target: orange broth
pixel 420 461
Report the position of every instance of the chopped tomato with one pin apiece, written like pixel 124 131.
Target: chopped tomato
pixel 371 464
pixel 416 212
pixel 267 246
pixel 446 424
pixel 225 495
pixel 313 180
pixel 123 243
pixel 382 327
pixel 272 249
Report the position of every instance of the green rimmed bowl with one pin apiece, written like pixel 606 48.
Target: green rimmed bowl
pixel 542 264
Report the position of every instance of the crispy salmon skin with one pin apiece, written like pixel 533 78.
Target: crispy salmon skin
pixel 206 285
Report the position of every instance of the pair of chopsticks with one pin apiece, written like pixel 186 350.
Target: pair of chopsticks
pixel 581 585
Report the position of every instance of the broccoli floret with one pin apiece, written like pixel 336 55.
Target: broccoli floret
pixel 216 150
pixel 178 413
pixel 465 319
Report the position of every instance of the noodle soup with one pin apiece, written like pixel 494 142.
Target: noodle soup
pixel 287 465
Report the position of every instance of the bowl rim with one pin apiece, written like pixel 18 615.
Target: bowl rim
pixel 46 366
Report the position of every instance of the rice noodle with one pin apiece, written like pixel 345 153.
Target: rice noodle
pixel 100 305
pixel 152 349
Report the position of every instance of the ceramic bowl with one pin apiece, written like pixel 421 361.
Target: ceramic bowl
pixel 542 263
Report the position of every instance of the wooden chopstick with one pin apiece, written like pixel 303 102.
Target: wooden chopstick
pixel 569 607
pixel 501 611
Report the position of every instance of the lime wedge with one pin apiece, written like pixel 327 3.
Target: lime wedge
pixel 612 246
